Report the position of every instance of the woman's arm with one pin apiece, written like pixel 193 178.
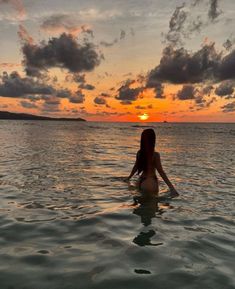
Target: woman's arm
pixel 135 168
pixel 164 176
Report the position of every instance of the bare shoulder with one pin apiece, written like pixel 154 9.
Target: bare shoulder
pixel 157 159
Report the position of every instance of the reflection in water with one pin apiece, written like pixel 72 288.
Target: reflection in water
pixel 144 239
pixel 147 210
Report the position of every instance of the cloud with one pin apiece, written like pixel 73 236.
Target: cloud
pixel 13 85
pixel 225 88
pixel 159 90
pixel 24 36
pixel 126 94
pixel 63 93
pixel 59 23
pixel 63 52
pixel 87 86
pixel 206 90
pixel 79 78
pixel 27 104
pixel 230 107
pixel 185 21
pixel 213 12
pixel 100 100
pixel 105 94
pixel 122 34
pixel 79 97
pixel 76 77
pixel 51 104
pixel 17 5
pixel 176 24
pixel 228 44
pixel 150 106
pixel 109 44
pixel 116 40
pixel 187 92
pixel 229 97
pixel 7 65
pixel 226 69
pixel 180 66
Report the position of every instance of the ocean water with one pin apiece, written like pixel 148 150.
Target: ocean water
pixel 67 218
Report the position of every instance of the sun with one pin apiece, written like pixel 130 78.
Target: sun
pixel 143 116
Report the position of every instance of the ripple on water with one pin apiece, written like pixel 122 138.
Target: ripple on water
pixel 67 218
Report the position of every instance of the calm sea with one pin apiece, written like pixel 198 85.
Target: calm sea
pixel 67 219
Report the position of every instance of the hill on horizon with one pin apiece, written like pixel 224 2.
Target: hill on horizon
pixel 25 116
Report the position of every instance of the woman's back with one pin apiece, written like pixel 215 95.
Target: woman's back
pixel 147 162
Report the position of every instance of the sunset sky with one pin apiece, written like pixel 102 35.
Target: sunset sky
pixel 107 60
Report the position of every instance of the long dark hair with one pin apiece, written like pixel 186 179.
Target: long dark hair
pixel 147 145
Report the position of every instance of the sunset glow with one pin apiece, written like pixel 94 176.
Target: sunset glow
pixel 143 117
pixel 100 62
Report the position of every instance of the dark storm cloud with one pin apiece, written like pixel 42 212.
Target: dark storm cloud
pixel 126 94
pixel 63 52
pixel 230 107
pixel 187 92
pixel 180 66
pixel 13 85
pixel 225 88
pixel 100 100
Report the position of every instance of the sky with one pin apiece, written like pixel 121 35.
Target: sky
pixel 120 60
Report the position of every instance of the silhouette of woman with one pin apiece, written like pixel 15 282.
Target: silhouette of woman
pixel 147 161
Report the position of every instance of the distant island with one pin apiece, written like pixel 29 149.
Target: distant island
pixel 25 116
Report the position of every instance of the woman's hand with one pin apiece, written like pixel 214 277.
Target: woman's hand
pixel 127 180
pixel 174 193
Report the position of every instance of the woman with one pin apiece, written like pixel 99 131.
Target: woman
pixel 147 161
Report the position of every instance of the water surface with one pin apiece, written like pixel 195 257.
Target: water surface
pixel 67 219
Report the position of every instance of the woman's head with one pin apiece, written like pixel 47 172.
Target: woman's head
pixel 147 145
pixel 148 140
